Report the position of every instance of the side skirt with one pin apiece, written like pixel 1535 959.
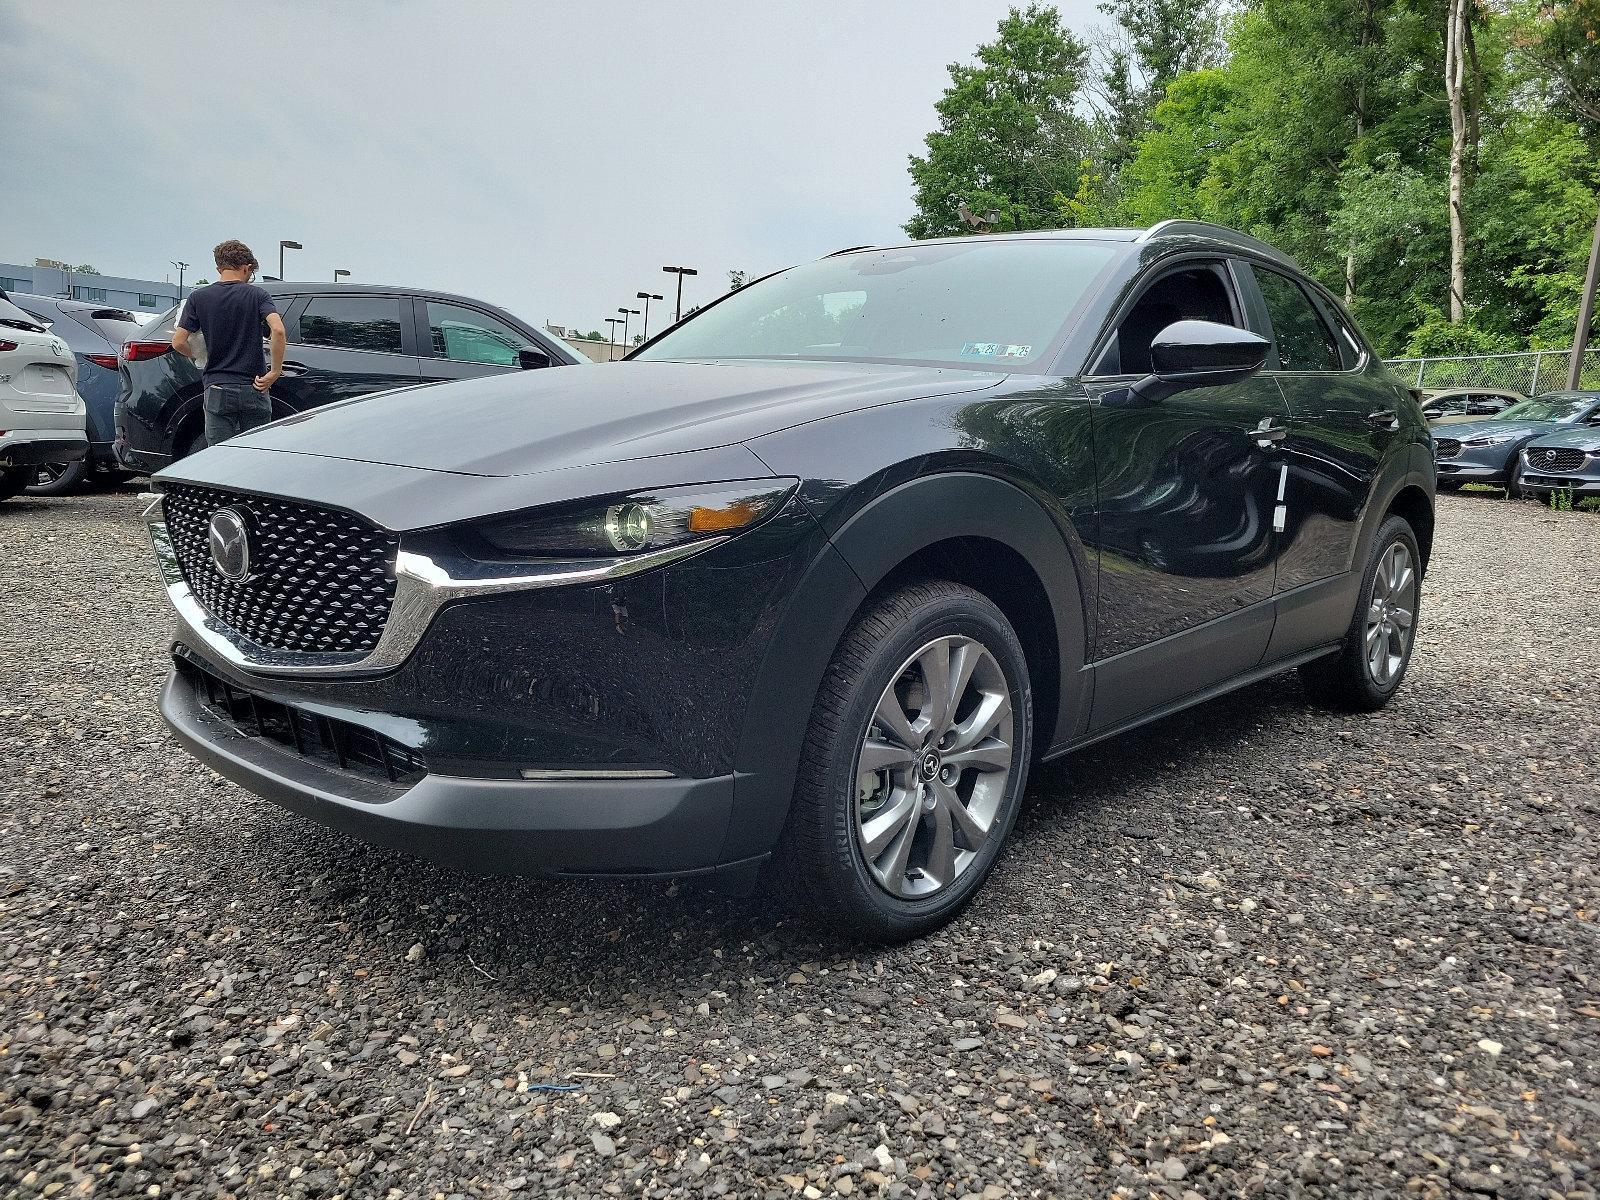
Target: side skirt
pixel 1200 697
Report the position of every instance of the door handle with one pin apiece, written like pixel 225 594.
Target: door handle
pixel 294 368
pixel 1267 435
pixel 1384 419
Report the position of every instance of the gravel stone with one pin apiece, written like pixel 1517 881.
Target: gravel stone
pixel 1258 949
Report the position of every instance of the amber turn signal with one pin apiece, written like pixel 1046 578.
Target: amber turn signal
pixel 703 519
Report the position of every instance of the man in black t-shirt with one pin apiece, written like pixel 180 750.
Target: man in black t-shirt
pixel 229 314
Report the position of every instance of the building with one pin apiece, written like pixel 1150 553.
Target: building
pixel 46 278
pixel 592 350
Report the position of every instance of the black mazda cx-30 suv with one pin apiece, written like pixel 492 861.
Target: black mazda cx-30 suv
pixel 809 580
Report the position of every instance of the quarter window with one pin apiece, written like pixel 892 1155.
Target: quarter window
pixel 1304 342
pixel 352 323
pixel 466 335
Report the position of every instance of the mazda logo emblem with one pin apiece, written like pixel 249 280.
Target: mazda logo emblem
pixel 930 765
pixel 229 539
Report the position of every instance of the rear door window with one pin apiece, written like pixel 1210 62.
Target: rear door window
pixel 352 323
pixel 1304 341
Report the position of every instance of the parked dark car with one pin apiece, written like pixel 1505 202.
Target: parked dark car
pixel 809 580
pixel 93 332
pixel 1448 406
pixel 344 340
pixel 1567 461
pixel 1490 451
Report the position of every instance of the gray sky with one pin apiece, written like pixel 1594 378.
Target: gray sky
pixel 548 157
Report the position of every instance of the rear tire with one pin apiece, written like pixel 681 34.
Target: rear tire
pixel 931 685
pixel 1366 671
pixel 57 479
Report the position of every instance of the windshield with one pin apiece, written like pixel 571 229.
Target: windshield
pixel 1563 409
pixel 991 305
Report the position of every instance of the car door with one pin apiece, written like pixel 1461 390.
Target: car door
pixel 1186 491
pixel 1344 421
pixel 347 344
pixel 459 341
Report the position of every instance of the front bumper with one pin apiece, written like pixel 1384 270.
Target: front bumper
pixel 29 447
pixel 576 725
pixel 610 826
pixel 1546 481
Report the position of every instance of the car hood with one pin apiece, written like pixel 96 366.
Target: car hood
pixel 1582 437
pixel 532 421
pixel 1468 430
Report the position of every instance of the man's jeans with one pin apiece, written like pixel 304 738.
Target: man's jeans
pixel 233 408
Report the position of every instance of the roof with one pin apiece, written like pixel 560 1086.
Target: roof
pixel 1175 231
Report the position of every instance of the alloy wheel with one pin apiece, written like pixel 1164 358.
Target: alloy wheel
pixel 933 767
pixel 1391 614
pixel 46 474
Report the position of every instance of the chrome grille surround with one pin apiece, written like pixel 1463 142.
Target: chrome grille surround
pixel 321 581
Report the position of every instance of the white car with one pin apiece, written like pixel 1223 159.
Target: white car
pixel 41 414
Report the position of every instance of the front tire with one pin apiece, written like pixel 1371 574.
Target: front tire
pixel 914 766
pixel 1514 490
pixel 57 479
pixel 1366 671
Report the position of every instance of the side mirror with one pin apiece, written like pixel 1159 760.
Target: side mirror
pixel 1197 354
pixel 532 360
pixel 1433 413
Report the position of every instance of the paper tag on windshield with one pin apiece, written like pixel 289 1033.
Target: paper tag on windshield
pixel 995 350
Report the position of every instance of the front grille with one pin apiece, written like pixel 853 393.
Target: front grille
pixel 1556 458
pixel 320 582
pixel 352 748
pixel 1446 447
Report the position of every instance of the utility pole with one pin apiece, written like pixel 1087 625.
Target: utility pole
pixel 680 272
pixel 647 297
pixel 1580 337
pixel 182 267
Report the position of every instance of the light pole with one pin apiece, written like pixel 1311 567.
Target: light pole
pixel 611 340
pixel 680 272
pixel 626 314
pixel 182 267
pixel 1580 338
pixel 282 246
pixel 647 297
pixel 340 273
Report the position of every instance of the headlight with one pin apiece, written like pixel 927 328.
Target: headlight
pixel 1490 439
pixel 639 523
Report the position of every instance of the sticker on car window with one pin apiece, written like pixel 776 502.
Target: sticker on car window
pixel 995 350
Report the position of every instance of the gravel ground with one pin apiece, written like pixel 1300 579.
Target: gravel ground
pixel 1258 949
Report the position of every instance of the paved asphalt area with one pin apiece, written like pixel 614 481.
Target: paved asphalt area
pixel 1258 949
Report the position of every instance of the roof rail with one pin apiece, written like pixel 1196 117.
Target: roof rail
pixel 1179 226
pixel 848 250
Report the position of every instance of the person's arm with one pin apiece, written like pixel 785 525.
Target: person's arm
pixel 277 342
pixel 180 342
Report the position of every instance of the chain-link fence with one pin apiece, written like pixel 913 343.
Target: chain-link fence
pixel 1530 373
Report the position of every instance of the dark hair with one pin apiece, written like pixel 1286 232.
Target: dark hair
pixel 234 255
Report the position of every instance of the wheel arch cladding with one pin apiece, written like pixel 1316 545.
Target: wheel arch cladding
pixel 1412 504
pixel 971 528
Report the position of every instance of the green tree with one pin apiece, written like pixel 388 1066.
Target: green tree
pixel 1010 139
pixel 594 335
pixel 84 269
